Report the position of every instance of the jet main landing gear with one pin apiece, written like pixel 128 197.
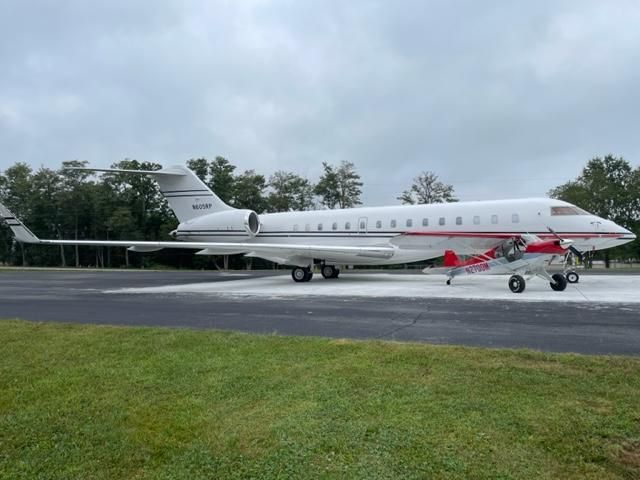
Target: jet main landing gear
pixel 300 274
pixel 329 271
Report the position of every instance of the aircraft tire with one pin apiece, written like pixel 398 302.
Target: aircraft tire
pixel 517 284
pixel 329 271
pixel 560 282
pixel 300 274
pixel 572 277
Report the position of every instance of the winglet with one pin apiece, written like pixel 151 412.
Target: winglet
pixel 22 233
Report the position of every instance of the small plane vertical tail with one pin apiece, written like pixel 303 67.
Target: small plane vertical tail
pixel 450 259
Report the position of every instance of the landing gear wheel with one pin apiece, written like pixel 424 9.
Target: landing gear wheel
pixel 559 282
pixel 448 281
pixel 300 274
pixel 517 284
pixel 572 277
pixel 329 271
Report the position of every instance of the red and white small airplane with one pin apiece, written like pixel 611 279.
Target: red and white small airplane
pixel 521 255
pixel 361 236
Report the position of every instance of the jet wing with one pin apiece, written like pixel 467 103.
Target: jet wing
pixel 296 254
pixel 462 242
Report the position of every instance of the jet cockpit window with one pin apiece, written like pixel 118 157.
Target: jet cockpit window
pixel 567 210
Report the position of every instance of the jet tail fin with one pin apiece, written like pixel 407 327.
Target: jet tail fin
pixel 21 232
pixel 188 196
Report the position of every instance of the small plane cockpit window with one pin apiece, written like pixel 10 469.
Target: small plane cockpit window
pixel 393 224
pixel 494 219
pixel 425 222
pixel 458 220
pixel 441 221
pixel 568 210
pixel 476 220
pixel 319 226
pixel 347 226
pixel 515 218
pixel 379 224
pixel 409 222
pixel 334 226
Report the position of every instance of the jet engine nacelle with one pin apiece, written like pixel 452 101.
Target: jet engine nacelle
pixel 240 222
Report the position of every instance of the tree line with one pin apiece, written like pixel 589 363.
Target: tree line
pixel 77 204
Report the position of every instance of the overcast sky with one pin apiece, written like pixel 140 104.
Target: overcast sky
pixel 501 99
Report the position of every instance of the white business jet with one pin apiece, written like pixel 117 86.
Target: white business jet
pixel 355 236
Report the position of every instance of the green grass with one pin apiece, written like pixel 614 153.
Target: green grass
pixel 80 401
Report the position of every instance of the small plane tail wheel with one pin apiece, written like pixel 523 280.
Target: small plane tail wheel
pixel 300 274
pixel 559 282
pixel 329 271
pixel 517 284
pixel 572 277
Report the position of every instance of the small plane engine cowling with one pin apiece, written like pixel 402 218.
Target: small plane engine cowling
pixel 240 222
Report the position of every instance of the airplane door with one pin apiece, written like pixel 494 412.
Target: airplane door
pixel 362 225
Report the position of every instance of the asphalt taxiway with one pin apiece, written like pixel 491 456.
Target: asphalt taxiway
pixel 600 315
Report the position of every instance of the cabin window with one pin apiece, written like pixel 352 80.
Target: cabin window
pixel 319 226
pixel 458 220
pixel 476 220
pixel 441 221
pixel 425 222
pixel 494 219
pixel 307 227
pixel 295 227
pixel 515 218
pixel 379 224
pixel 347 226
pixel 334 226
pixel 409 222
pixel 363 225
pixel 393 224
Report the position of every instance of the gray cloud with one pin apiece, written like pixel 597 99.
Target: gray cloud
pixel 503 100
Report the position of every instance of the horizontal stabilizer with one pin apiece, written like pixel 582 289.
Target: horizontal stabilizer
pixel 164 171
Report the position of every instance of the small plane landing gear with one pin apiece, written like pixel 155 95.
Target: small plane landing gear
pixel 517 284
pixel 300 274
pixel 329 271
pixel 559 282
pixel 572 277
